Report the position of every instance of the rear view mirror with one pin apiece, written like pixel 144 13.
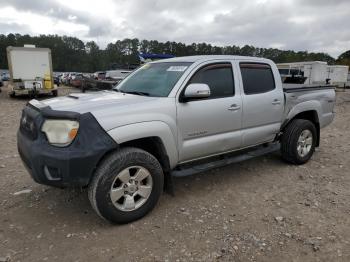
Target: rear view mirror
pixel 197 91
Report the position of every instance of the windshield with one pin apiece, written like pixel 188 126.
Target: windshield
pixel 154 79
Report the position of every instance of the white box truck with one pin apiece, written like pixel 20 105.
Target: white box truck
pixel 30 71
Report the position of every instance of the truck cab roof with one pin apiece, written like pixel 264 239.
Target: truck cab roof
pixel 203 58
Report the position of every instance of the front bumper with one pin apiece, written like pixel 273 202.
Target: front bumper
pixel 61 166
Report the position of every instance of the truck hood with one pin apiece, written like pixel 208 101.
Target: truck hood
pixel 91 102
pixel 112 109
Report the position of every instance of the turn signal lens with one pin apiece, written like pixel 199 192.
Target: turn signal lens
pixel 73 133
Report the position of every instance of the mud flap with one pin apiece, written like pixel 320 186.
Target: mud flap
pixel 168 184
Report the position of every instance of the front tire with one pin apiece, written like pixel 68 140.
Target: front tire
pixel 126 185
pixel 298 141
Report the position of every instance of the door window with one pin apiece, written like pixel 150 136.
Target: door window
pixel 257 78
pixel 219 78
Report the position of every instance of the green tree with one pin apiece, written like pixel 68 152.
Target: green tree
pixel 72 54
pixel 344 58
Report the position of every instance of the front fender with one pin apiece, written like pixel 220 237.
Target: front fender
pixel 148 129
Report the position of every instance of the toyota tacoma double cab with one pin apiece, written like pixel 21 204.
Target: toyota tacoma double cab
pixel 166 117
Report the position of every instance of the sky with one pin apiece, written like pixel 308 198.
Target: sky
pixel 311 25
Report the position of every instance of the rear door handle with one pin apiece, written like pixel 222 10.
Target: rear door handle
pixel 276 102
pixel 234 107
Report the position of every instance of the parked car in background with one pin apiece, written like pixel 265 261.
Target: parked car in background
pixel 56 80
pixel 77 80
pixel 5 76
pixel 76 75
pixel 92 84
pixel 70 77
pixel 63 78
pixel 73 76
pixel 117 75
pixel 100 75
pixel 87 75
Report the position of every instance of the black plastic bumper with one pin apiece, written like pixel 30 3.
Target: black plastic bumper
pixel 61 166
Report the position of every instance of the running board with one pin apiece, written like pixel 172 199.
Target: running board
pixel 258 151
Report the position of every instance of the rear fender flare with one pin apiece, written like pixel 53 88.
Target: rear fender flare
pixel 304 107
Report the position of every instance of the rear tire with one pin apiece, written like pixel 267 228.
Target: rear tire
pixel 298 141
pixel 54 93
pixel 118 173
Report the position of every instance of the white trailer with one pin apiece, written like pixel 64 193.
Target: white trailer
pixel 30 71
pixel 338 75
pixel 314 72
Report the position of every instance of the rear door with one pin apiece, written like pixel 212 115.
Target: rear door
pixel 263 103
pixel 212 125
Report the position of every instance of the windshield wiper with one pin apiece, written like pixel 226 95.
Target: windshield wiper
pixel 139 93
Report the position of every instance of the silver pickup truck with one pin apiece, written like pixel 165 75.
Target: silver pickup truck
pixel 164 118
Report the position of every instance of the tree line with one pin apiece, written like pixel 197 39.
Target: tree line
pixel 72 54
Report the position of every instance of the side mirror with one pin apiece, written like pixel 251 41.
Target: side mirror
pixel 197 91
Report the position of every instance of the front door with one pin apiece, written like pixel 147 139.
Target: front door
pixel 212 125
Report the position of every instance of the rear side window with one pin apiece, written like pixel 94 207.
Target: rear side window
pixel 219 78
pixel 257 78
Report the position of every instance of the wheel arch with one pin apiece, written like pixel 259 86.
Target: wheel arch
pixel 154 146
pixel 154 137
pixel 312 116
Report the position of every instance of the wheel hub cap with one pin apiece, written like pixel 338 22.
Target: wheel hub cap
pixel 304 144
pixel 131 188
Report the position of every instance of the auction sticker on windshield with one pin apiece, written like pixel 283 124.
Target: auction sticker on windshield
pixel 177 68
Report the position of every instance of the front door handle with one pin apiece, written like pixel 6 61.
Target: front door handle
pixel 276 102
pixel 234 107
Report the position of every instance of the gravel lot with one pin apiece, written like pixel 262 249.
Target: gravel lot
pixel 259 210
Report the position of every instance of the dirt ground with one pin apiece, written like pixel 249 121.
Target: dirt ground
pixel 258 210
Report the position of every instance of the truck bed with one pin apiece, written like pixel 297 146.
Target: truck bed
pixel 289 88
pixel 303 87
pixel 320 98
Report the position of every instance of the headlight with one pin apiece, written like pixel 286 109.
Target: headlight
pixel 60 132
